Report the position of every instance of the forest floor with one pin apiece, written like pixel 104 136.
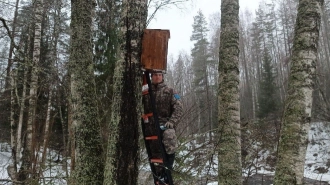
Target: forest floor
pixel 261 179
pixel 316 166
pixel 258 179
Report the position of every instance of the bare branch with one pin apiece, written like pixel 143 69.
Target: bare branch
pixel 162 4
pixel 8 32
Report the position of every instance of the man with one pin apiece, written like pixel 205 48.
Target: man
pixel 169 110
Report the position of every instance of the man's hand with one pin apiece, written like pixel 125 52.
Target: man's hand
pixel 169 125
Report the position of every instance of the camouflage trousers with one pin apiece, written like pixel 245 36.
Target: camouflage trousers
pixel 170 141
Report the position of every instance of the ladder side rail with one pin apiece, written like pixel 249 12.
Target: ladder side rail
pixel 146 142
pixel 157 125
pixel 152 166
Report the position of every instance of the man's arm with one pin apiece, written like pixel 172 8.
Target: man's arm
pixel 177 108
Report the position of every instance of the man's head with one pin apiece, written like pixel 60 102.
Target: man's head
pixel 157 77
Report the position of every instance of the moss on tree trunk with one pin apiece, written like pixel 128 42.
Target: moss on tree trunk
pixel 89 163
pixel 297 116
pixel 123 146
pixel 229 148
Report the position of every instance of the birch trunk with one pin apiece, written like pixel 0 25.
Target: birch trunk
pixel 123 146
pixel 229 149
pixel 12 167
pixel 46 131
pixel 28 151
pixel 89 162
pixel 11 86
pixel 297 113
pixel 20 119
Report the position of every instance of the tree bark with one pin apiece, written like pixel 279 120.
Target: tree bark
pixel 297 113
pixel 229 148
pixel 123 146
pixel 89 163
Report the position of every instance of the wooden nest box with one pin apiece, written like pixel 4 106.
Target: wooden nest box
pixel 154 49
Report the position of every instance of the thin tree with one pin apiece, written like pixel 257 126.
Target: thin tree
pixel 9 87
pixel 122 151
pixel 229 148
pixel 89 164
pixel 298 105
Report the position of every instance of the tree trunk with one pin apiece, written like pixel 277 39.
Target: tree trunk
pixel 123 146
pixel 297 113
pixel 229 149
pixel 21 114
pixel 12 167
pixel 10 86
pixel 28 151
pixel 89 163
pixel 46 131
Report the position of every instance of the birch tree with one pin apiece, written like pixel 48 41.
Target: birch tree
pixel 122 150
pixel 298 105
pixel 28 151
pixel 229 149
pixel 9 88
pixel 89 165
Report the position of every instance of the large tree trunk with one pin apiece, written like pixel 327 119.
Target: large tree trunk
pixel 123 146
pixel 89 162
pixel 229 148
pixel 297 113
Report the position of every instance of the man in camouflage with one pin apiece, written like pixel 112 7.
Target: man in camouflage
pixel 169 109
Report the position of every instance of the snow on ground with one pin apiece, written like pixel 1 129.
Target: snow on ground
pixel 317 156
pixel 53 173
pixel 318 153
pixel 4 162
pixel 316 166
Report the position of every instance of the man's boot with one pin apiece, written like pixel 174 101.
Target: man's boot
pixel 170 158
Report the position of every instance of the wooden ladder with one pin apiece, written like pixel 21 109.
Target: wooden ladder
pixel 153 136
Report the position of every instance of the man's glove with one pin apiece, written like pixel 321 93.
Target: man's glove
pixel 169 125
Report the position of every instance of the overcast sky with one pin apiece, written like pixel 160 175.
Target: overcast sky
pixel 179 22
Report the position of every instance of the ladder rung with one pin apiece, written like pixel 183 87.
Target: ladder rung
pixel 158 183
pixel 156 160
pixel 146 115
pixel 152 138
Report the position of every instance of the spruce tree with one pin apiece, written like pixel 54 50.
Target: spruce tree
pixel 200 59
pixel 267 88
pixel 199 51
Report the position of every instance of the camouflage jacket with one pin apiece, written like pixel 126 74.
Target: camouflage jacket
pixel 168 104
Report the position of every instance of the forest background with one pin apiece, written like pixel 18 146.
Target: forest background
pixel 266 44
